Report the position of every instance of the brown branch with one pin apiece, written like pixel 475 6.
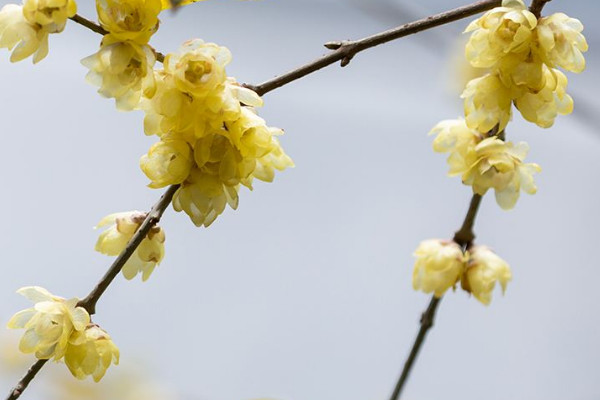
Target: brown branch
pixel 24 382
pixel 89 303
pixel 344 51
pixel 152 218
pixel 537 6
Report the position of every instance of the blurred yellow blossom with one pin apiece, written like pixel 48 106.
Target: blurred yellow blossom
pixel 561 42
pixel 123 70
pixel 500 31
pixel 50 15
pixel 113 241
pixel 90 353
pixel 134 20
pixel 178 3
pixel 438 266
pixel 49 324
pixel 484 269
pixel 20 36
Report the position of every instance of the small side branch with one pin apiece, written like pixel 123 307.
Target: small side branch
pixel 24 382
pixel 344 51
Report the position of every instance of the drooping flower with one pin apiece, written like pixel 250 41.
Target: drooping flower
pixel 168 162
pixel 20 36
pixel 561 42
pixel 484 269
pixel 90 352
pixel 439 265
pixel 113 241
pixel 499 32
pixel 542 107
pixel 49 324
pixel 487 103
pixel 134 20
pixel 50 15
pixel 122 70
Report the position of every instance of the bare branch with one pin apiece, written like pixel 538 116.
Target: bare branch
pixel 344 51
pixel 24 382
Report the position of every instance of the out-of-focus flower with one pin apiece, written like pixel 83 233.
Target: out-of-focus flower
pixel 20 36
pixel 177 3
pixel 484 269
pixel 561 42
pixel 90 353
pixel 122 70
pixel 49 324
pixel 500 31
pixel 134 20
pixel 543 106
pixel 439 265
pixel 113 241
pixel 50 15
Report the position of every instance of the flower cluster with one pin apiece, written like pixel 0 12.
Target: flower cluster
pixel 521 53
pixel 123 226
pixel 486 162
pixel 441 264
pixel 211 140
pixel 24 29
pixel 57 328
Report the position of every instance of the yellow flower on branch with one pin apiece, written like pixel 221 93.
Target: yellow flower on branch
pixel 113 241
pixel 168 162
pixel 487 103
pixel 439 265
pixel 122 70
pixel 20 36
pixel 49 324
pixel 90 352
pixel 561 42
pixel 50 15
pixel 134 20
pixel 484 269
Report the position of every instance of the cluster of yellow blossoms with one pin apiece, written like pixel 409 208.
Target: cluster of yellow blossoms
pixel 57 328
pixel 519 53
pixel 441 264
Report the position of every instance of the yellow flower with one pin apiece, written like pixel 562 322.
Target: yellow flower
pixel 500 31
pixel 50 15
pixel 487 103
pixel 484 269
pixel 198 68
pixel 49 324
pixel 168 162
pixel 543 106
pixel 134 20
pixel 561 42
pixel 438 267
pixel 122 70
pixel 113 241
pixel 456 138
pixel 177 3
pixel 18 34
pixel 90 353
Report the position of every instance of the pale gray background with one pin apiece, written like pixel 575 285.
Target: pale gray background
pixel 305 292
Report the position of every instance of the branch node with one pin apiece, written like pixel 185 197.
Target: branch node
pixel 333 45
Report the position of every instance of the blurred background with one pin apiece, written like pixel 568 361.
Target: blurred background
pixel 304 292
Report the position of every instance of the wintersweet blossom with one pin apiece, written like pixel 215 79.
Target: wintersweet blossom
pixel 122 70
pixel 500 31
pixel 90 352
pixel 49 324
pixel 178 3
pixel 20 36
pixel 561 42
pixel 212 140
pixel 50 15
pixel 113 241
pixel 439 265
pixel 484 269
pixel 134 20
pixel 487 103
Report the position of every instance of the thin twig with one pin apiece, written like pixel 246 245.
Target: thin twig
pixel 344 51
pixel 152 218
pixel 89 303
pixel 24 382
pixel 536 7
